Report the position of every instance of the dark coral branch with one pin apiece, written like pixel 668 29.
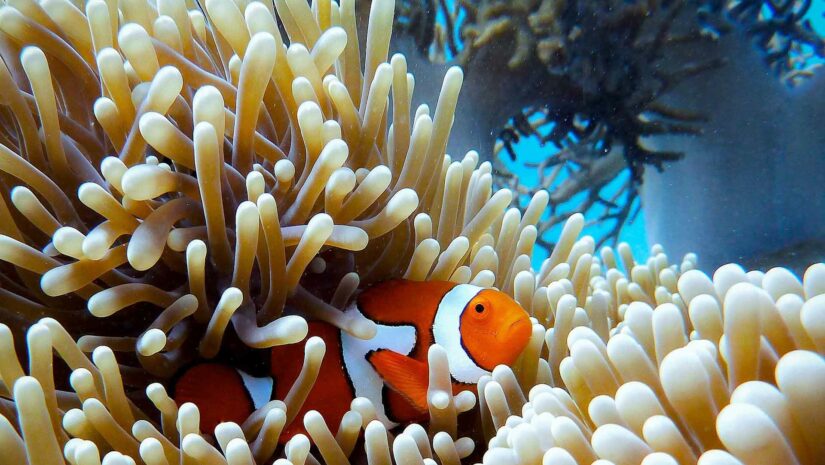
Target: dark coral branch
pixel 608 64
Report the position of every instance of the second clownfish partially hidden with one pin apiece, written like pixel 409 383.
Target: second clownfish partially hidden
pixel 479 329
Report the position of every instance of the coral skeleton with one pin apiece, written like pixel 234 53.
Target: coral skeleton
pixel 598 84
pixel 184 184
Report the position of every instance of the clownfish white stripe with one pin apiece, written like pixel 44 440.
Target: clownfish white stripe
pixel 259 389
pixel 365 380
pixel 447 333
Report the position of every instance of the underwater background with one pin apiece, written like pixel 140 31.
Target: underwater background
pixel 531 151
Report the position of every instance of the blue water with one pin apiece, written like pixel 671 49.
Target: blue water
pixel 528 150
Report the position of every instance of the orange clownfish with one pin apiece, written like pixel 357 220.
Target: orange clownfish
pixel 479 329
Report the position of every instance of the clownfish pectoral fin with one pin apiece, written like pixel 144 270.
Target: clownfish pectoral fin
pixel 407 376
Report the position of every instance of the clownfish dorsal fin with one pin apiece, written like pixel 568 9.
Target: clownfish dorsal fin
pixel 407 376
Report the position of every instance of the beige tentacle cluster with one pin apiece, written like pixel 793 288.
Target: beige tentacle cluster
pixel 220 160
pixel 665 365
pixel 175 176
pixel 178 182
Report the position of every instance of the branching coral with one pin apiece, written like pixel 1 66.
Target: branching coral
pixel 578 168
pixel 605 66
pixel 784 31
pixel 181 184
pixel 611 70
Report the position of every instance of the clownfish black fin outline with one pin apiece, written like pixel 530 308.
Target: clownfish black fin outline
pixel 405 375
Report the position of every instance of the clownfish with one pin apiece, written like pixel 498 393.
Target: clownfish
pixel 478 328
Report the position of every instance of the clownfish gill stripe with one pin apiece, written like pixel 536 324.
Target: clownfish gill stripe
pixel 447 333
pixel 259 389
pixel 364 379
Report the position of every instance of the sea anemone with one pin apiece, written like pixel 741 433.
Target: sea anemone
pixel 725 370
pixel 183 184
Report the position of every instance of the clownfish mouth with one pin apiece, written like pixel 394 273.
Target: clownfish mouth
pixel 520 327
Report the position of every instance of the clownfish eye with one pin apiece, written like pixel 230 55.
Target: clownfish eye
pixel 479 308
